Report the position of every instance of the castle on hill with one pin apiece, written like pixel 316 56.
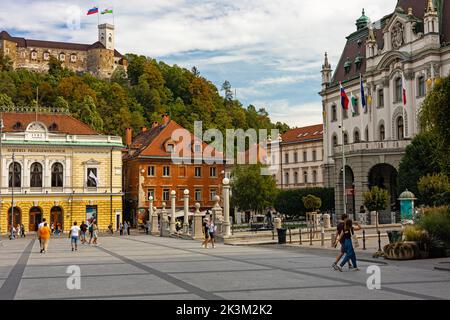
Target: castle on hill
pixel 100 58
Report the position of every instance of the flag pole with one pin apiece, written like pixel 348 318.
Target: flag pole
pixel 404 105
pixel 343 159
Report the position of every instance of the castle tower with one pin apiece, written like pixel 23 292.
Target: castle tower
pixel 106 35
pixel 431 19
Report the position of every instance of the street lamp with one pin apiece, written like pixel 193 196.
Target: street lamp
pixel 12 195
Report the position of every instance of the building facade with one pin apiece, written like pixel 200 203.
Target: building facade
pixel 56 167
pixel 411 43
pixel 149 170
pixel 301 158
pixel 99 59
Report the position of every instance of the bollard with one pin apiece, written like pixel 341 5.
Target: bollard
pixel 364 239
pixel 379 240
pixel 273 235
pixel 300 235
pixel 232 229
pixel 290 236
pixel 310 237
pixel 322 238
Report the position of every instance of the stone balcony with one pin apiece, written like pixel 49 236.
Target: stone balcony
pixel 373 147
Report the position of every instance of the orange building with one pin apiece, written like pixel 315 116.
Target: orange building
pixel 149 170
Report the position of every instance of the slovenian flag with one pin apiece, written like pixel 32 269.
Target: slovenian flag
pixel 404 89
pixel 94 10
pixel 106 11
pixel 344 98
pixel 363 96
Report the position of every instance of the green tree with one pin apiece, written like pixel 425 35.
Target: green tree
pixel 6 103
pixel 5 63
pixel 289 202
pixel 251 190
pixel 433 187
pixel 434 118
pixel 87 112
pixel 312 203
pixel 419 160
pixel 376 199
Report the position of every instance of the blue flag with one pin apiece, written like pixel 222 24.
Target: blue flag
pixel 363 96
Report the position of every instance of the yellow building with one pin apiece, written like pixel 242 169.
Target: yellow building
pixel 56 167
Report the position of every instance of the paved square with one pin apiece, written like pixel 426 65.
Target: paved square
pixel 145 267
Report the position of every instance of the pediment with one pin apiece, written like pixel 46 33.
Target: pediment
pixel 91 162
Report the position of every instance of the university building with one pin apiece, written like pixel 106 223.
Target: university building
pixel 149 171
pixel 99 58
pixel 54 166
pixel 410 43
pixel 301 158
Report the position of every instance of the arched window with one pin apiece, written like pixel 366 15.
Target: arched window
pixel 382 132
pixel 53 127
pixel 335 140
pixel 286 178
pixel 356 137
pixel 62 57
pixel 15 175
pixel 17 126
pixel 345 138
pixel 421 86
pixel 305 176
pixel 314 176
pixel 400 128
pixel 398 90
pixel 36 175
pixel 333 113
pixel 57 175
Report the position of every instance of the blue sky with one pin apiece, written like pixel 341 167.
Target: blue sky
pixel 271 51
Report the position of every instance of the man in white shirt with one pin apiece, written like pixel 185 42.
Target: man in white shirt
pixel 74 235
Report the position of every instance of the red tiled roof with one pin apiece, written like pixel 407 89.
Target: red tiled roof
pixel 151 143
pixel 356 41
pixel 310 133
pixel 64 123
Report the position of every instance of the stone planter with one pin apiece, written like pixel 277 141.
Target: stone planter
pixel 401 251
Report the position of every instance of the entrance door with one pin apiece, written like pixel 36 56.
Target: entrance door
pixel 35 218
pixel 56 217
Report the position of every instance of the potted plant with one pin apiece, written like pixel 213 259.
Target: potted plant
pixel 312 204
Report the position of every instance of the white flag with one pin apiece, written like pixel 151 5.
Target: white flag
pixel 92 175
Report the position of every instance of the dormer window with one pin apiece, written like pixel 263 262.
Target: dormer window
pixel 18 126
pixel 53 127
pixel 62 57
pixel 46 56
pixel 170 148
pixel 358 61
pixel 73 58
pixel 33 55
pixel 347 65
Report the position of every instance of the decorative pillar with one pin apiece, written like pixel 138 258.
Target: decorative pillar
pixel 186 212
pixel 153 218
pixel 163 220
pixel 226 207
pixel 173 209
pixel 198 232
pixel 326 221
pixel 217 214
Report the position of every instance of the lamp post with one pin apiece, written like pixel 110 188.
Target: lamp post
pixel 186 212
pixel 12 195
pixel 226 207
pixel 173 209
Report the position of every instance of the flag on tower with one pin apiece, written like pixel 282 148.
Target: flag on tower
pixel 94 10
pixel 344 98
pixel 106 11
pixel 354 104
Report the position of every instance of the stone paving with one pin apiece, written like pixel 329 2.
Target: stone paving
pixel 145 267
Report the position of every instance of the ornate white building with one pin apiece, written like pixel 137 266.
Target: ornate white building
pixel 414 42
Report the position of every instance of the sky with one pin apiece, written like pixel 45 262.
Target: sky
pixel 271 51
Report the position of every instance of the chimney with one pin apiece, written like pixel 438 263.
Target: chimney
pixel 165 119
pixel 128 136
pixel 143 129
pixel 155 124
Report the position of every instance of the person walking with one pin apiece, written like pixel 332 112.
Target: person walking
pixel 44 235
pixel 74 235
pixel 121 229
pixel 206 233
pixel 128 228
pixel 125 228
pixel 212 229
pixel 350 254
pixel 91 231
pixel 22 230
pixel 340 240
pixel 83 229
pixel 52 228
pixel 94 232
pixel 40 225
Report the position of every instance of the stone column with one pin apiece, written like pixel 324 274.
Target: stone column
pixel 173 209
pixel 373 218
pixel 217 214
pixel 186 212
pixel 326 221
pixel 153 218
pixel 226 207
pixel 197 230
pixel 163 220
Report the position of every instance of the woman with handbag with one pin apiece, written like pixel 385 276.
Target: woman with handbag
pixel 350 254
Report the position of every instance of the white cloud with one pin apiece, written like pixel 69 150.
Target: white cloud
pixel 282 40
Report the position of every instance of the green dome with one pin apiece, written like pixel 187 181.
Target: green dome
pixel 363 21
pixel 407 195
